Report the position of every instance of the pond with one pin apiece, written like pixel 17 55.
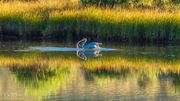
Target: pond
pixel 28 70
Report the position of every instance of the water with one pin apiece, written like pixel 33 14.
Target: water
pixel 131 73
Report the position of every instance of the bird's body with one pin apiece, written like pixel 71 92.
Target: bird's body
pixel 92 45
pixel 88 46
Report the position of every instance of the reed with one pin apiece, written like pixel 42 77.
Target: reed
pixel 114 63
pixel 41 20
pixel 121 25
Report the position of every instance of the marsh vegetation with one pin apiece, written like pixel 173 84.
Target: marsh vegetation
pixel 71 19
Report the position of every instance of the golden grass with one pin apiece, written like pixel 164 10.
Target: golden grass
pixel 125 24
pixel 115 64
pixel 63 18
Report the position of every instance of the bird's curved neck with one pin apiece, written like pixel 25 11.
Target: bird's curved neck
pixel 81 43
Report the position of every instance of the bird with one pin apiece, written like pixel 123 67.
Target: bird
pixel 88 46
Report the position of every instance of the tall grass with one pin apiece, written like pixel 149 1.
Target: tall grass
pixel 114 63
pixel 61 21
pixel 133 3
pixel 122 25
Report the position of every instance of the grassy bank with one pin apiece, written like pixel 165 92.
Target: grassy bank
pixel 40 20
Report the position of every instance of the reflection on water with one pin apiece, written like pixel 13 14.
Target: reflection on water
pixel 80 52
pixel 83 54
pixel 40 82
pixel 132 73
pixel 66 83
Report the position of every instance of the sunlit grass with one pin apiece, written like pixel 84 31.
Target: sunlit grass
pixel 61 18
pixel 114 63
pixel 37 60
pixel 118 63
pixel 123 24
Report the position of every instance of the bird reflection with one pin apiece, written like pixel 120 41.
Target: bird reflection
pixel 83 54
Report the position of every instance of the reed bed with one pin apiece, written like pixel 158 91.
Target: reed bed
pixel 121 25
pixel 115 64
pixel 36 60
pixel 121 64
pixel 43 20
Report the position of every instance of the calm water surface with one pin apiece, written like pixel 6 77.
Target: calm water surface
pixel 74 81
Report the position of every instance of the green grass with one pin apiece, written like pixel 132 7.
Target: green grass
pixel 43 20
